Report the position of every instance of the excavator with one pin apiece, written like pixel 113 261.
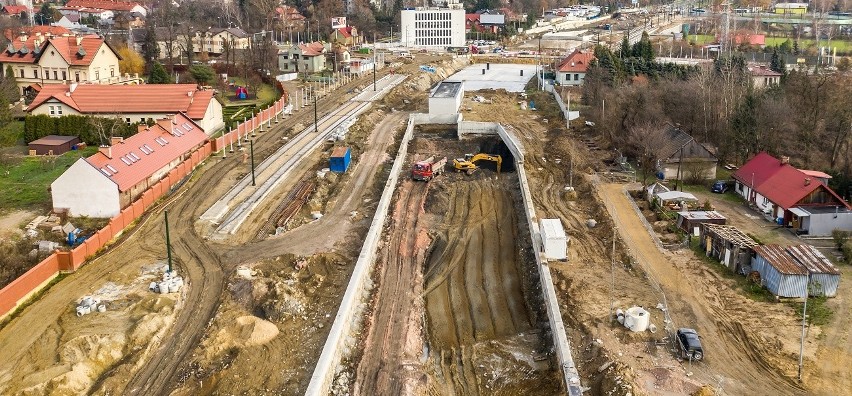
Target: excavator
pixel 468 163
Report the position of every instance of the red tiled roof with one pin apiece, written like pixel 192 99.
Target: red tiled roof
pixel 66 47
pixel 472 17
pixel 147 98
pixel 782 184
pixel 289 13
pixel 750 39
pixel 346 32
pixel 577 62
pixel 102 4
pixel 15 9
pixel 187 135
pixel 311 49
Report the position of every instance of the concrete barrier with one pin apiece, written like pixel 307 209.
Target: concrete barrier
pixel 466 128
pixel 570 375
pixel 340 341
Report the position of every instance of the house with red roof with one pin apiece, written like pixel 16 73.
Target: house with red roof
pixel 16 10
pixel 42 55
pixel 762 76
pixel 303 58
pixel 572 70
pixel 792 197
pixel 103 184
pixel 346 35
pixel 132 103
pixel 116 7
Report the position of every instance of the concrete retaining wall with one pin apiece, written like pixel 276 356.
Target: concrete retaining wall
pixel 466 128
pixel 340 340
pixel 570 375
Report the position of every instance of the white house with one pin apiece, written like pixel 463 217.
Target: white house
pixel 430 27
pixel 89 6
pixel 149 101
pixel 572 70
pixel 43 58
pixel 104 183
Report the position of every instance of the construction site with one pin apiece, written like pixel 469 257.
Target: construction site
pixel 413 265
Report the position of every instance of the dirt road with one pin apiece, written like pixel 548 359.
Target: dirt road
pixel 135 343
pixel 744 369
pixel 830 373
pixel 393 345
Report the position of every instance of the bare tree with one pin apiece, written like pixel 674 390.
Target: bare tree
pixel 644 141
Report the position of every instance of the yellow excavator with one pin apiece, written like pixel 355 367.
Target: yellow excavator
pixel 468 163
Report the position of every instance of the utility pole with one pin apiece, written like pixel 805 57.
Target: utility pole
pixel 251 151
pixel 612 278
pixel 316 123
pixel 169 248
pixel 804 322
pixel 374 70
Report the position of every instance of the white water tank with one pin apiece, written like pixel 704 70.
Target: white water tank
pixel 553 239
pixel 637 319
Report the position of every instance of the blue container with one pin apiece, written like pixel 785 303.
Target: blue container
pixel 340 158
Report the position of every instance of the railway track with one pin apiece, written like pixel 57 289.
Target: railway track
pixel 288 208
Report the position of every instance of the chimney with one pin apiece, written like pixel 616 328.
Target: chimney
pixel 113 140
pixel 105 150
pixel 807 181
pixel 79 39
pixel 785 160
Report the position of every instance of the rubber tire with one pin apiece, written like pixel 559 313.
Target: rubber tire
pixel 697 356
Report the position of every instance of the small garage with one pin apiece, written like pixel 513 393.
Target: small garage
pixel 53 145
pixel 340 158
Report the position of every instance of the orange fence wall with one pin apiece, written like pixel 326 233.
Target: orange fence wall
pixel 14 293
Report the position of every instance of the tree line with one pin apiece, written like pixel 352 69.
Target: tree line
pixel 808 116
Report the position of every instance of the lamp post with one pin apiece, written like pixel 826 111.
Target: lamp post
pixel 169 244
pixel 251 153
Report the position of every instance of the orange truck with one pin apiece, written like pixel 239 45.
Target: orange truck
pixel 427 169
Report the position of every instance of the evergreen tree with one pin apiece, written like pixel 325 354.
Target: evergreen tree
pixel 775 63
pixel 625 48
pixel 158 75
pixel 150 49
pixel 643 48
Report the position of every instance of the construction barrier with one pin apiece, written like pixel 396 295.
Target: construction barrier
pixel 19 290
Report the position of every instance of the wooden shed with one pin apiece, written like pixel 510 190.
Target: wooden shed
pixel 53 145
pixel 690 221
pixel 729 245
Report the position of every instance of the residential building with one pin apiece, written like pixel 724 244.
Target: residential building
pixel 216 40
pixel 94 7
pixel 359 66
pixel 572 70
pixel 16 10
pixel 680 157
pixel 792 197
pixel 429 27
pixel 70 21
pixel 303 58
pixel 485 21
pixel 290 18
pixel 762 76
pixel 347 36
pixel 790 8
pixel 103 184
pixel 133 103
pixel 39 59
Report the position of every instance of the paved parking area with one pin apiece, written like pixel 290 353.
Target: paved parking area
pixel 511 77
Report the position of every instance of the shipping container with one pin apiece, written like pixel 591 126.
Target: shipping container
pixel 340 158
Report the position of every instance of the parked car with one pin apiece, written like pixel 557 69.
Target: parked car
pixel 720 187
pixel 689 344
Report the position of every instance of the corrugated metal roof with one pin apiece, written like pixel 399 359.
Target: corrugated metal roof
pixel 811 258
pixel 778 258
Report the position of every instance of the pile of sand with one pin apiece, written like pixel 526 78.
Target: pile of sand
pixel 252 330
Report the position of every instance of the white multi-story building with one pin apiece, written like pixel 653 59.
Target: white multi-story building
pixel 424 27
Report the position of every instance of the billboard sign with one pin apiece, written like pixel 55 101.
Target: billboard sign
pixel 338 22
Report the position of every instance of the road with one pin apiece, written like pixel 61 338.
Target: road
pixel 153 364
pixel 733 360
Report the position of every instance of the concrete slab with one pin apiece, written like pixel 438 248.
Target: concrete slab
pixel 499 75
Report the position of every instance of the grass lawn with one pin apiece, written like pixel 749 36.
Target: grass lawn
pixel 265 93
pixel 11 134
pixel 842 45
pixel 24 180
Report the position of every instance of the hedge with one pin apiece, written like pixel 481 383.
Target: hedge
pixel 38 126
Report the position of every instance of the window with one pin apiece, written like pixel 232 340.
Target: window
pixel 77 76
pixel 98 75
pixel 64 75
pixel 52 111
pixel 58 110
pixel 112 72
pixel 55 75
pixel 576 77
pixel 35 73
pixel 22 73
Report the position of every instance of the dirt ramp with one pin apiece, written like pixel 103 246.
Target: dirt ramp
pixel 480 332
